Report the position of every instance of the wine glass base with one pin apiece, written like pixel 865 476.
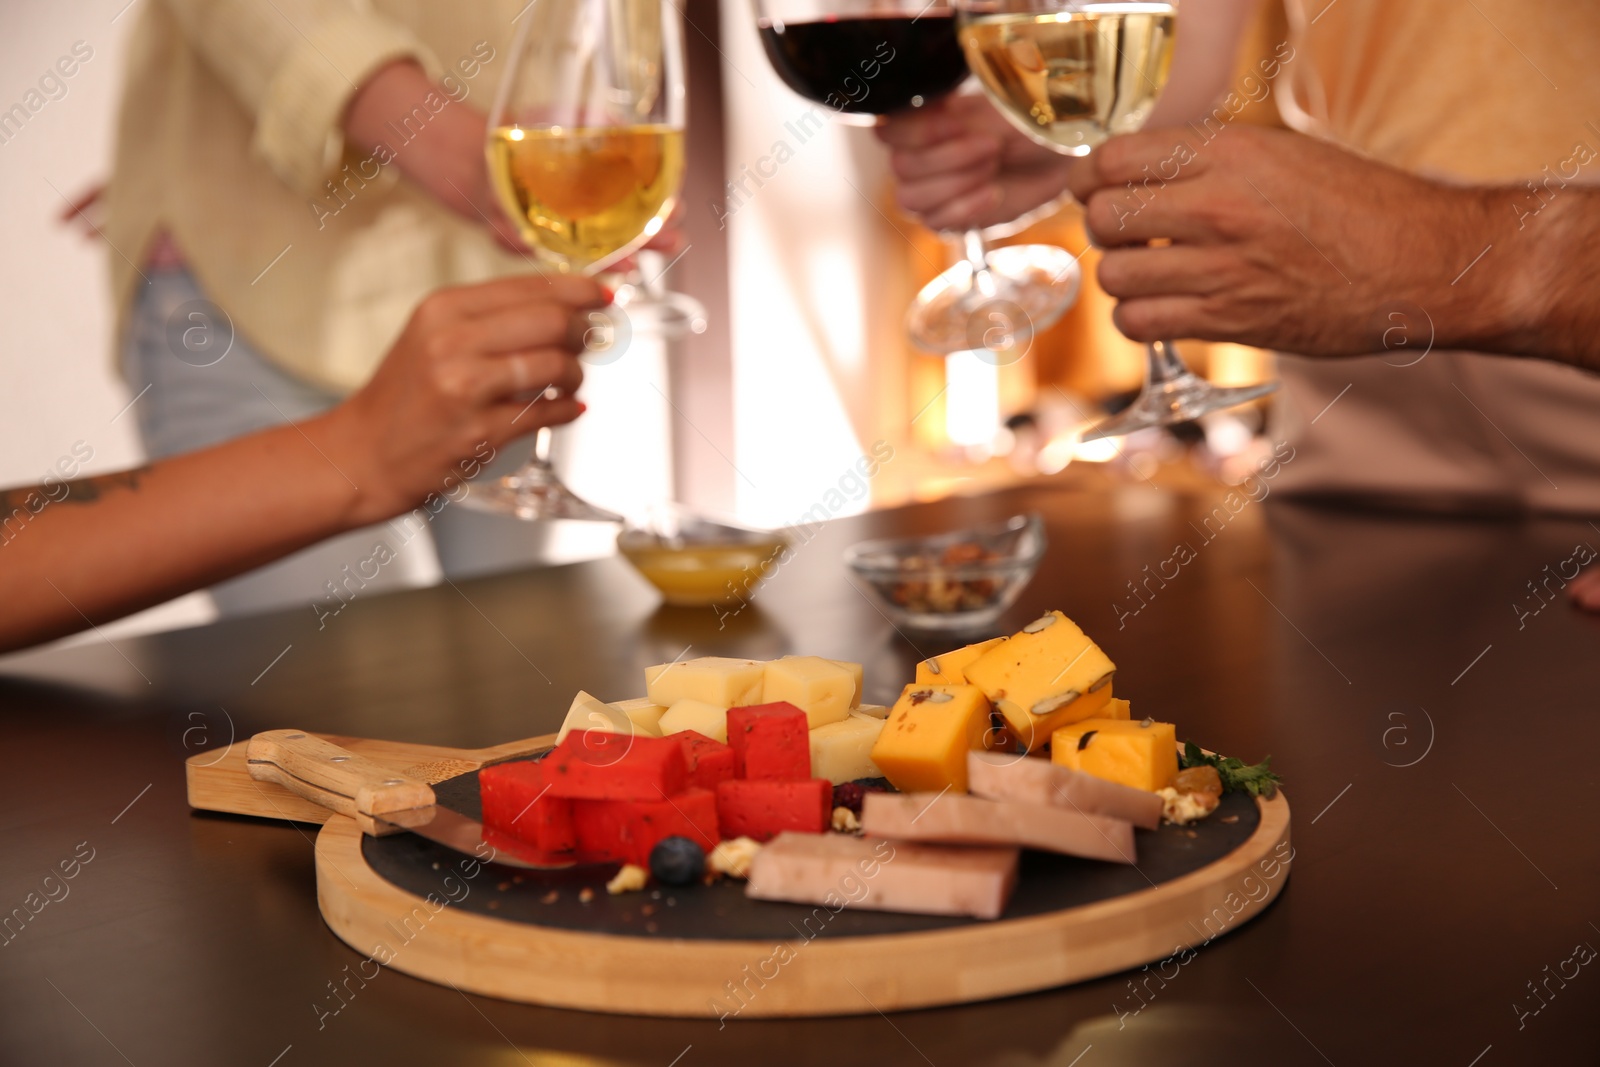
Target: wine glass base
pixel 1025 290
pixel 1181 399
pixel 667 315
pixel 533 493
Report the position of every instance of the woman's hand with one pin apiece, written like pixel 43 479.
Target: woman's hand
pixel 444 157
pixel 466 375
pixel 961 165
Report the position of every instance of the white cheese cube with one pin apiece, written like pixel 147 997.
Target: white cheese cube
pixel 644 713
pixel 858 673
pixel 727 683
pixel 819 687
pixel 842 751
pixel 697 715
pixel 590 713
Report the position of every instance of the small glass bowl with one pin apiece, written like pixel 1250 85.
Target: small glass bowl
pixel 957 581
pixel 694 561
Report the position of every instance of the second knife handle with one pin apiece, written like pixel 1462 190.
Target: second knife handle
pixel 334 777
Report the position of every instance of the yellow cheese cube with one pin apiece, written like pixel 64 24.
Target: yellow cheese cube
pixel 842 751
pixel 1045 677
pixel 727 683
pixel 1116 708
pixel 819 687
pixel 697 715
pixel 930 730
pixel 949 668
pixel 858 673
pixel 1132 753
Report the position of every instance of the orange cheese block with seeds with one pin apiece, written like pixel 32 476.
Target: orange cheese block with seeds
pixel 930 730
pixel 1141 754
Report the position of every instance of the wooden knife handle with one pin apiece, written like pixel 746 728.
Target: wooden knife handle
pixel 334 777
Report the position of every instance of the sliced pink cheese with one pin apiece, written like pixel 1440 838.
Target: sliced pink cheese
pixel 958 819
pixel 1001 776
pixel 838 871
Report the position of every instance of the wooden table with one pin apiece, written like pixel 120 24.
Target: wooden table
pixel 1435 740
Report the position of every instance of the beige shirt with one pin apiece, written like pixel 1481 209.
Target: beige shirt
pixel 1486 92
pixel 229 141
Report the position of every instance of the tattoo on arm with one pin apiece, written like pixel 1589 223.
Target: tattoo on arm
pixel 88 490
pixel 20 506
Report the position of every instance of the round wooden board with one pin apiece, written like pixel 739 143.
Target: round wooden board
pixel 711 977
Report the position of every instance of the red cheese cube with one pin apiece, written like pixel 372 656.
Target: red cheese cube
pixel 710 761
pixel 594 765
pixel 626 830
pixel 762 808
pixel 770 741
pixel 516 803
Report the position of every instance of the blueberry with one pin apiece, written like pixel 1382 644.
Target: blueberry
pixel 677 861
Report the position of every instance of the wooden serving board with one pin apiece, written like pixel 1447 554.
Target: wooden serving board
pixel 711 952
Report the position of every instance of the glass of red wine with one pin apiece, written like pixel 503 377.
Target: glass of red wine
pixel 870 58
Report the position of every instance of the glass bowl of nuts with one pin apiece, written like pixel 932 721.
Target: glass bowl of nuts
pixel 957 581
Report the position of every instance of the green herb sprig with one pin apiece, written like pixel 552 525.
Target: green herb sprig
pixel 1237 776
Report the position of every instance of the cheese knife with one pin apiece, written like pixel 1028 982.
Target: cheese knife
pixel 381 801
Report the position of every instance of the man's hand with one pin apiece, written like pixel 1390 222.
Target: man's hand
pixel 1281 241
pixel 961 165
pixel 468 369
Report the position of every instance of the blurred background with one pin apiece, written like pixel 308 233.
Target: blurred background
pixel 794 246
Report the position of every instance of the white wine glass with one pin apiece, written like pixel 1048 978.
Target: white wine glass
pixel 586 154
pixel 1070 74
pixel 869 58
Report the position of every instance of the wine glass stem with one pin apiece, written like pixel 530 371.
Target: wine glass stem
pixel 541 448
pixel 1163 364
pixel 976 250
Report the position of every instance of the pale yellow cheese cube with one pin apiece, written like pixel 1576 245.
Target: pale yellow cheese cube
pixel 1048 675
pixel 628 716
pixel 877 711
pixel 697 715
pixel 842 751
pixel 858 673
pixel 727 683
pixel 950 668
pixel 644 713
pixel 819 687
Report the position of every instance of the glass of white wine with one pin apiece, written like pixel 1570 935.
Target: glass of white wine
pixel 586 153
pixel 1070 74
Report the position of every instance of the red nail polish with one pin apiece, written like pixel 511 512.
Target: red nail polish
pixel 608 293
pixel 582 407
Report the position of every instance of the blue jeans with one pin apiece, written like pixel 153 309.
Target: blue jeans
pixel 200 384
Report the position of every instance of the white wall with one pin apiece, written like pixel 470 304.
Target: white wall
pixel 56 385
pixel 810 288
